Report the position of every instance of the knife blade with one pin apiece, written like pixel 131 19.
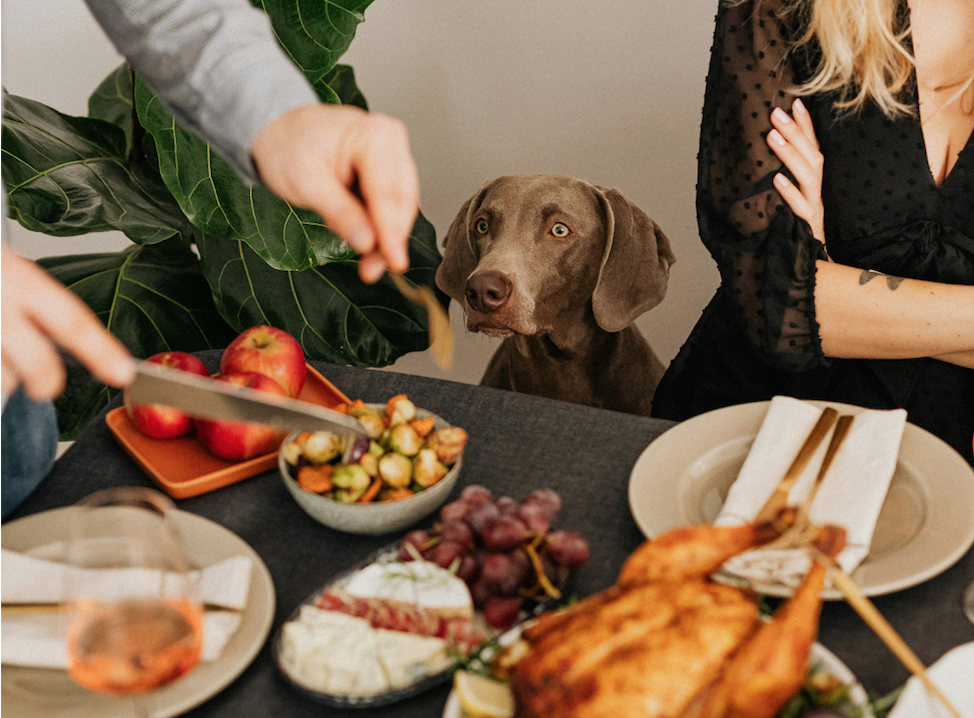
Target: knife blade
pixel 211 399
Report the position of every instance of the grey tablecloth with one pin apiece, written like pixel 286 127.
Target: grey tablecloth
pixel 517 443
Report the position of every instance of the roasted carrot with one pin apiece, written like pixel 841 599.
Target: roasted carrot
pixel 342 408
pixel 396 494
pixel 371 492
pixel 357 404
pixel 423 427
pixel 316 479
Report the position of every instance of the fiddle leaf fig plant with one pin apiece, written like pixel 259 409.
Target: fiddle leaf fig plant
pixel 211 255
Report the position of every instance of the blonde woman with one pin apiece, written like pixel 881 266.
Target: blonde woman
pixel 836 193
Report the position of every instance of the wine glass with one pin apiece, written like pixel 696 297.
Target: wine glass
pixel 134 621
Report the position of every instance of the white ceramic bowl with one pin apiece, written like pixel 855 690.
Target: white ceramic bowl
pixel 373 518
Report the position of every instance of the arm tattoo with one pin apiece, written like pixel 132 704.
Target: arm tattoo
pixel 868 275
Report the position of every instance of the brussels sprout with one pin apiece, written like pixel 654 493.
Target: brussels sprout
pixel 348 496
pixel 352 477
pixel 322 447
pixel 292 452
pixel 372 421
pixel 402 412
pixel 370 464
pixel 396 470
pixel 404 439
pixel 427 469
pixel 375 448
pixel 447 443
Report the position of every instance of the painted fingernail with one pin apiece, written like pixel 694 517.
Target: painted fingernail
pixel 799 106
pixel 781 180
pixel 777 138
pixel 781 116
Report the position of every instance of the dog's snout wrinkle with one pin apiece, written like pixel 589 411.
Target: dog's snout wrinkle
pixel 488 291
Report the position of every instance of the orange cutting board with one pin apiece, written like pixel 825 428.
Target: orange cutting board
pixel 183 468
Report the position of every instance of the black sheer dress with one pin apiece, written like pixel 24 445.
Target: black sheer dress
pixel 758 337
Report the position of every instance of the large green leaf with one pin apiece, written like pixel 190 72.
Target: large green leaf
pixel 327 308
pixel 70 175
pixel 152 298
pixel 315 33
pixel 112 101
pixel 220 205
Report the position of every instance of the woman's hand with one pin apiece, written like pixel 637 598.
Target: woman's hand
pixel 793 141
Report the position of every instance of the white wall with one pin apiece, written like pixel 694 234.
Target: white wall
pixel 609 91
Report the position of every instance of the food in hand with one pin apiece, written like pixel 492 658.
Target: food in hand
pixel 156 420
pixel 502 549
pixel 387 627
pixel 667 641
pixel 269 351
pixel 393 462
pixel 241 440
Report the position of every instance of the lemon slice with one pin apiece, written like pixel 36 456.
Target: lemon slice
pixel 482 697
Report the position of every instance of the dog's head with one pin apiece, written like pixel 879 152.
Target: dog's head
pixel 529 249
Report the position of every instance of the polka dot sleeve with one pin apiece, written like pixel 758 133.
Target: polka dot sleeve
pixel 766 255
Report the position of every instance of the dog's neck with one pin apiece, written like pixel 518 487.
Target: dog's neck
pixel 575 332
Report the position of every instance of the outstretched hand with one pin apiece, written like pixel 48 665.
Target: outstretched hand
pixel 793 141
pixel 352 167
pixel 39 314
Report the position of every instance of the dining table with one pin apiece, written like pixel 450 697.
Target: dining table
pixel 517 443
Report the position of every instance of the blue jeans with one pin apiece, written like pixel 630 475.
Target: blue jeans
pixel 29 443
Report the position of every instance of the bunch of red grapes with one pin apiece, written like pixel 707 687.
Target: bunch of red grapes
pixel 502 549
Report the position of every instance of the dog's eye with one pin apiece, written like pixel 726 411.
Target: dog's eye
pixel 560 230
pixel 481 226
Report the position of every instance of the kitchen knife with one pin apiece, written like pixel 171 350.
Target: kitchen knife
pixel 211 399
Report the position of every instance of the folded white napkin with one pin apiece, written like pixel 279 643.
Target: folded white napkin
pixel 25 579
pixel 35 638
pixel 851 495
pixel 952 674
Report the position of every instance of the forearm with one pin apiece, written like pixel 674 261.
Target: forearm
pixel 215 64
pixel 965 359
pixel 869 315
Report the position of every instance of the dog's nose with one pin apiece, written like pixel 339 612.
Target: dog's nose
pixel 488 292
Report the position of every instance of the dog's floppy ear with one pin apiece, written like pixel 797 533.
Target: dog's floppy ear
pixel 635 264
pixel 459 259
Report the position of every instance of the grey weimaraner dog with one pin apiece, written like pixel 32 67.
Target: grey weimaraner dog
pixel 561 268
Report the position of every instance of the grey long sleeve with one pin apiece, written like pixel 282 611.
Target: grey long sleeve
pixel 215 65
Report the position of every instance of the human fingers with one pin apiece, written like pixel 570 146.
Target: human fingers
pixel 8 379
pixel 30 360
pixel 389 185
pixel 806 162
pixel 371 267
pixel 800 114
pixel 51 314
pixel 795 198
pixel 808 176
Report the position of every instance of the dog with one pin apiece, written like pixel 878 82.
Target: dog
pixel 560 268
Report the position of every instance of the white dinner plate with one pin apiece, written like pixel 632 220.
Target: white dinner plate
pixel 820 657
pixel 925 526
pixel 50 693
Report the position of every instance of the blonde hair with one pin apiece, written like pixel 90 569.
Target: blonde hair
pixel 863 51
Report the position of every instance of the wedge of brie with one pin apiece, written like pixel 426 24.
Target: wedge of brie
pixel 333 653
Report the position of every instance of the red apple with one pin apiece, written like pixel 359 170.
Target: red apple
pixel 268 351
pixel 240 440
pixel 156 420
